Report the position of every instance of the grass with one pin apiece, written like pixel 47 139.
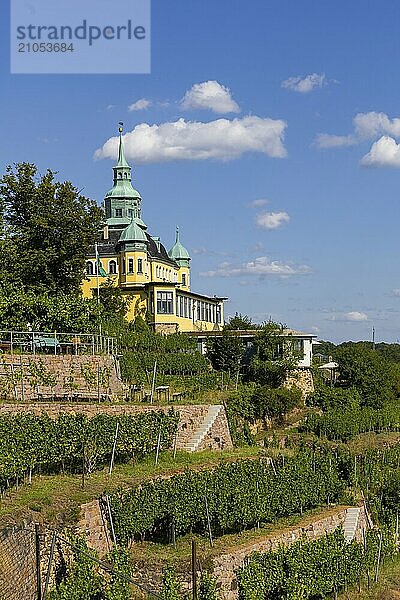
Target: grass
pixel 179 557
pixel 366 441
pixel 387 587
pixel 55 499
pixel 151 558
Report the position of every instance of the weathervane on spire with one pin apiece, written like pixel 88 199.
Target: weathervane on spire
pixel 121 126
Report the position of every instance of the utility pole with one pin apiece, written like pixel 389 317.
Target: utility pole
pixel 373 337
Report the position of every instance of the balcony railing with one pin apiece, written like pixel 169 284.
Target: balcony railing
pixel 55 342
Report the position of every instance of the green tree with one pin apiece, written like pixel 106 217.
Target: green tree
pixel 275 403
pixel 273 355
pixel 47 229
pixel 240 321
pixel 361 367
pixel 226 352
pixel 20 310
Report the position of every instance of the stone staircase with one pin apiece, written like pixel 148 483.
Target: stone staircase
pixel 200 434
pixel 350 523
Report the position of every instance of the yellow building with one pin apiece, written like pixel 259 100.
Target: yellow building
pixel 157 281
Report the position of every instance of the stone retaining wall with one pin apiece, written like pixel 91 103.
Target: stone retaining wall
pixel 225 565
pixel 18 559
pixel 191 417
pixel 25 376
pixel 303 379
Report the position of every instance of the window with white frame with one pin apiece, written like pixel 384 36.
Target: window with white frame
pixel 165 303
pixel 112 267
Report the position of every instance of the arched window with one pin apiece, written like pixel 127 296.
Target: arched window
pixel 112 267
pixel 126 175
pixel 89 268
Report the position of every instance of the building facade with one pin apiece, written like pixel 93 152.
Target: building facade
pixel 157 282
pixel 300 343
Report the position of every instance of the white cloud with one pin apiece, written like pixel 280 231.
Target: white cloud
pixel 258 203
pixel 141 104
pixel 367 126
pixel 261 267
pixel 326 140
pixel 355 315
pixel 209 95
pixel 209 252
pixel 383 153
pixel 371 124
pixel 396 292
pixel 305 84
pixel 272 220
pixel 221 139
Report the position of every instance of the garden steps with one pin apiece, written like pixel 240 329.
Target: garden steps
pixel 194 443
pixel 350 523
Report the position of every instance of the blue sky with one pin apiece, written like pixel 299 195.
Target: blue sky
pixel 286 222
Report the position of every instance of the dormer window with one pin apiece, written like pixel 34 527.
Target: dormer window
pixel 118 212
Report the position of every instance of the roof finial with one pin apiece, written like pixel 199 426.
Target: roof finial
pixel 121 127
pixel 177 233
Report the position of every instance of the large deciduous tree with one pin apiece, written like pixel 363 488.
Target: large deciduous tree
pixel 47 228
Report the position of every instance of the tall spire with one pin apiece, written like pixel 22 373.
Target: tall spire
pixel 121 155
pixel 122 202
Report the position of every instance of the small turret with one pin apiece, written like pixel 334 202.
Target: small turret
pixel 179 253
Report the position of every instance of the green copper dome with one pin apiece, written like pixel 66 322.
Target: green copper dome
pixel 122 189
pixel 178 252
pixel 133 233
